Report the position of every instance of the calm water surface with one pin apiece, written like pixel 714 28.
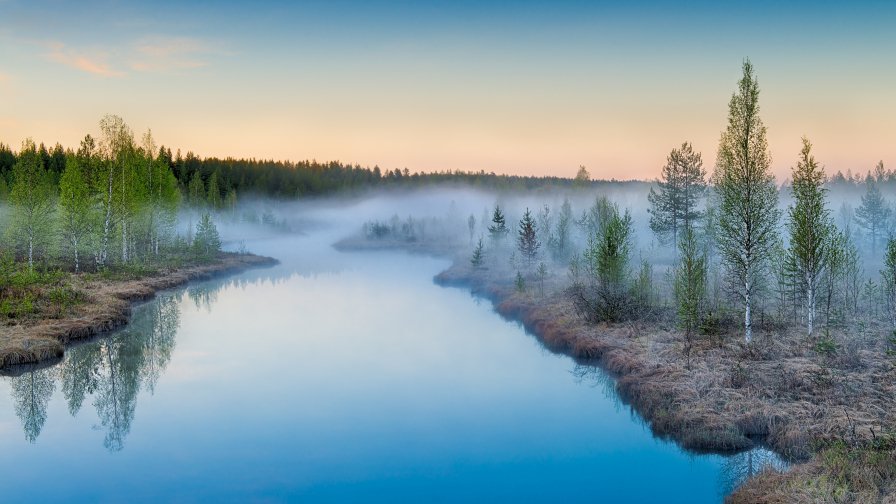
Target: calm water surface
pixel 332 378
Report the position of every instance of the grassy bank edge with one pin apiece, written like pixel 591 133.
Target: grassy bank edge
pixel 109 307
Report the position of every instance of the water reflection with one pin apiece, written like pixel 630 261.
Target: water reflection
pixel 112 370
pixel 31 393
pixel 445 402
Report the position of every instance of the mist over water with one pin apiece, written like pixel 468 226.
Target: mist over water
pixel 336 376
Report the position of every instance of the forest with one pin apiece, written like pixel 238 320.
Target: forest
pixel 217 179
pixel 749 312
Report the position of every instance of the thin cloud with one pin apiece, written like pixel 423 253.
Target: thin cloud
pixel 165 54
pixel 93 63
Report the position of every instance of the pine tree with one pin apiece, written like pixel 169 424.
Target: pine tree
pixel 527 242
pixel 31 199
pixel 748 197
pixel 873 214
pixel 811 227
pixel 680 190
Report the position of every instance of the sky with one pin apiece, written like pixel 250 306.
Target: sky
pixel 527 88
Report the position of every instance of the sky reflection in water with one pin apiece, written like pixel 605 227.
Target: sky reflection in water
pixel 332 377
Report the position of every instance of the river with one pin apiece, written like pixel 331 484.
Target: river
pixel 333 377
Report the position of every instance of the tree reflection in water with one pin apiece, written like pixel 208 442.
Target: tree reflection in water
pixel 113 370
pixel 733 470
pixel 737 468
pixel 31 392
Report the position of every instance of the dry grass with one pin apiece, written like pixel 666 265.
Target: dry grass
pixel 778 389
pixel 103 305
pixel 839 473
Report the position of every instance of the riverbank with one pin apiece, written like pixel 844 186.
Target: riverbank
pixel 72 307
pixel 726 396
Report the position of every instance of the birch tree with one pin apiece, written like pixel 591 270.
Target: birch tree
pixel 74 206
pixel 748 198
pixel 31 199
pixel 149 149
pixel 114 134
pixel 810 225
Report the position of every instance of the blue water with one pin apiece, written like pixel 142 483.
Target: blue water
pixel 333 377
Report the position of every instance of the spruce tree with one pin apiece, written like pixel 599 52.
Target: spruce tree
pixel 527 242
pixel 748 197
pixel 689 286
pixel 873 214
pixel 811 227
pixel 498 230
pixel 214 193
pixel 478 255
pixel 207 240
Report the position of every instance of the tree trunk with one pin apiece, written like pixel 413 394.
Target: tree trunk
pixel 106 226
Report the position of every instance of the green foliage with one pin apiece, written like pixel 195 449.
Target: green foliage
pixel 498 230
pixel 520 283
pixel 478 260
pixel 681 187
pixel 607 262
pixel 826 346
pixel 196 191
pixel 214 193
pixel 207 240
pixel 575 271
pixel 689 283
pixel 74 207
pixel 31 200
pixel 560 241
pixel 873 214
pixel 811 229
pixel 891 344
pixel 888 276
pixel 748 196
pixel 541 273
pixel 65 296
pixel 582 179
pixel 527 242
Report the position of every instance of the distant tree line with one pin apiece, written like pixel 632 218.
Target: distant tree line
pixel 216 182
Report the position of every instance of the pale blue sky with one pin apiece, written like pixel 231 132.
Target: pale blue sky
pixel 522 87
